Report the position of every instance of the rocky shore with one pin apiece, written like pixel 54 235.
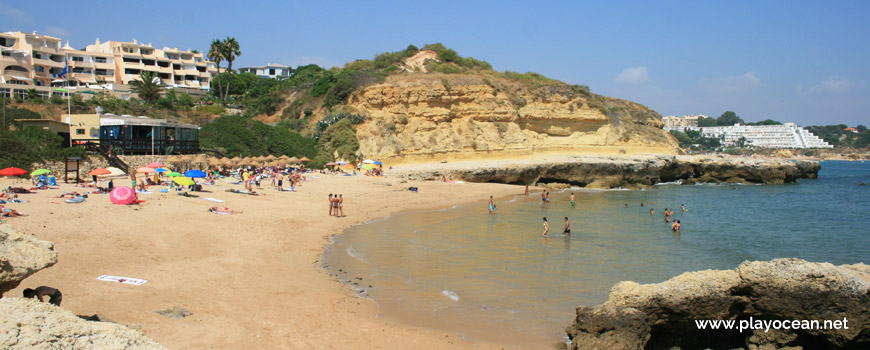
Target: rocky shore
pixel 619 171
pixel 30 324
pixel 663 315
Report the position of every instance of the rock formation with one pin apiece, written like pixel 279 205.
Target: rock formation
pixel 21 255
pixel 415 116
pixel 30 324
pixel 663 315
pixel 624 171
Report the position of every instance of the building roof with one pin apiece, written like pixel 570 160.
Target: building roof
pixel 270 65
pixel 113 119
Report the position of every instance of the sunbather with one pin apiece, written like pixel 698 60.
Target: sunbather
pixel 9 212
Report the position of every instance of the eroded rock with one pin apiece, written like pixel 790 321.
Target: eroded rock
pixel 663 315
pixel 21 255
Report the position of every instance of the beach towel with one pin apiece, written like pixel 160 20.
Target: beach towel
pixel 75 200
pixel 143 192
pixel 213 199
pixel 127 280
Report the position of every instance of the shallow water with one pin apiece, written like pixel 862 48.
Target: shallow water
pixel 494 278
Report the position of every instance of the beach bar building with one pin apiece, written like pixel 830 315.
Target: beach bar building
pixel 125 134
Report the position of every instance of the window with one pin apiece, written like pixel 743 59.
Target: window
pixel 80 131
pixel 78 59
pixel 271 71
pixel 100 59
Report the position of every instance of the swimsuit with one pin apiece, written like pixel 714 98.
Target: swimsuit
pixel 572 202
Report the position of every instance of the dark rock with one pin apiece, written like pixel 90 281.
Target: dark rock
pixel 175 312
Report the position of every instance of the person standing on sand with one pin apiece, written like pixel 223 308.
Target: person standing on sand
pixel 133 178
pixel 330 204
pixel 335 205
pixel 546 227
pixel 567 229
pixel 572 201
pixel 341 204
pixel 527 189
pixel 280 182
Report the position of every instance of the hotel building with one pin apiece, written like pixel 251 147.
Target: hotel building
pixel 33 61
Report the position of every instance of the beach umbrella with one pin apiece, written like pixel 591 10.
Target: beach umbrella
pixel 377 162
pixel 99 171
pixel 38 172
pixel 183 181
pixel 155 165
pixel 271 157
pixel 293 160
pixel 340 162
pixel 304 159
pixel 261 158
pixel 13 172
pixel 115 171
pixel 161 170
pixel 122 195
pixel 367 167
pixel 349 166
pixel 145 170
pixel 236 160
pixel 330 164
pixel 195 173
pixel 368 161
pixel 174 174
pixel 283 157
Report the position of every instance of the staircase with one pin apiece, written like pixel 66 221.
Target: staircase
pixel 111 158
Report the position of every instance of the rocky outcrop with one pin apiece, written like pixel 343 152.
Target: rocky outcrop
pixel 21 255
pixel 663 315
pixel 30 324
pixel 415 116
pixel 623 171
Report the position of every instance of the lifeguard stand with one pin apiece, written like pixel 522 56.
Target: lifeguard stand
pixel 72 166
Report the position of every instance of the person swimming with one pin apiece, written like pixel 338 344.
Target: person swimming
pixel 675 226
pixel 682 207
pixel 546 227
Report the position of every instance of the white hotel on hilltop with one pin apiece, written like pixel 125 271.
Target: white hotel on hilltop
pixel 788 135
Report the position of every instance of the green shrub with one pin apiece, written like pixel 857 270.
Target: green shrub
pixel 56 99
pixel 341 138
pixel 331 119
pixel 212 109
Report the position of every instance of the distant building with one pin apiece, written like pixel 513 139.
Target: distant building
pixel 852 130
pixel 269 71
pixel 787 135
pixel 127 134
pixel 672 122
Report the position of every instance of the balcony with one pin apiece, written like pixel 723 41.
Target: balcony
pixel 48 63
pixel 84 78
pixel 109 65
pixel 134 65
pixel 81 64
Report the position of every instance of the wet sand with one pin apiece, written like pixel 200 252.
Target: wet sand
pixel 252 280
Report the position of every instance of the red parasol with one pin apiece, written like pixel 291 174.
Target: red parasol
pixel 13 172
pixel 122 195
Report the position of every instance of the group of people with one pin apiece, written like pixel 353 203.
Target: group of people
pixel 668 213
pixel 565 231
pixel 336 205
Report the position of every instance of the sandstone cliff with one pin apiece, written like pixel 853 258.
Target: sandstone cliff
pixel 21 255
pixel 419 116
pixel 30 324
pixel 662 316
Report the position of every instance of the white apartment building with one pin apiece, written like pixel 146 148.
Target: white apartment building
pixel 787 135
pixel 269 71
pixel 673 122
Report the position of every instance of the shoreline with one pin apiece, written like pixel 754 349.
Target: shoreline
pixel 245 279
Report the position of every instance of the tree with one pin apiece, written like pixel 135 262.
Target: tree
pixel 216 54
pixel 231 50
pixel 148 86
pixel 728 118
pixel 705 122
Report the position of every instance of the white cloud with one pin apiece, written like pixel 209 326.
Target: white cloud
pixel 830 85
pixel 735 83
pixel 57 31
pixel 633 76
pixel 14 13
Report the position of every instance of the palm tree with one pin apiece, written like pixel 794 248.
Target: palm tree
pixel 216 54
pixel 148 86
pixel 230 52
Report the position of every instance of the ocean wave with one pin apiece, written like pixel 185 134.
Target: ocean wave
pixel 355 254
pixel 453 296
pixel 677 182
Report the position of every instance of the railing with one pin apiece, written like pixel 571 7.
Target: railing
pixel 144 146
pixel 107 153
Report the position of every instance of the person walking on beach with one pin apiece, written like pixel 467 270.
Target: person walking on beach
pixel 572 200
pixel 330 204
pixel 491 206
pixel 546 228
pixel 567 229
pixel 53 294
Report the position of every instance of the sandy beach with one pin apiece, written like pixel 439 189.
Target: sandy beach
pixel 252 280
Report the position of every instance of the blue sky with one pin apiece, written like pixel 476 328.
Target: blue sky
pixel 800 61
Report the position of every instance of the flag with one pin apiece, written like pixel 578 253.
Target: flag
pixel 65 69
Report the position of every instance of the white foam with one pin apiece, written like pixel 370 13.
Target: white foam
pixel 450 295
pixel 355 254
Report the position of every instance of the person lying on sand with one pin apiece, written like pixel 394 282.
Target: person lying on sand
pixel 53 294
pixel 224 210
pixel 71 195
pixel 9 212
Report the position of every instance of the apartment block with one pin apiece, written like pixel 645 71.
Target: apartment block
pixel 33 61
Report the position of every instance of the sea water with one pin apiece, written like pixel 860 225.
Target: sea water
pixel 494 278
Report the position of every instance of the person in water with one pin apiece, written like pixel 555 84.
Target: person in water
pixel 53 294
pixel 546 227
pixel 572 200
pixel 675 226
pixel 652 211
pixel 491 206
pixel 682 207
pixel 567 229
